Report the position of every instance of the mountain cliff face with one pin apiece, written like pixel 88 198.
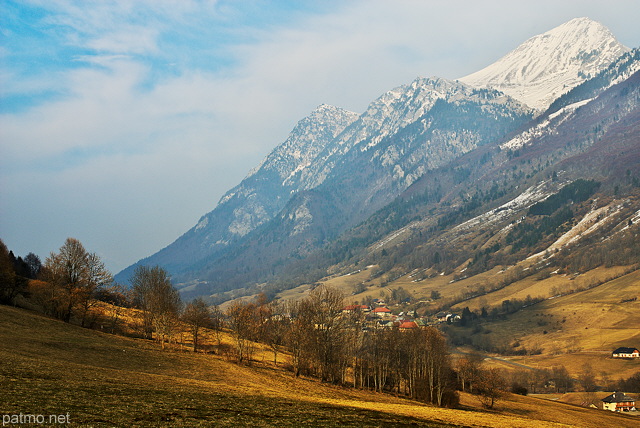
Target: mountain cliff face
pixel 365 178
pixel 267 187
pixel 422 159
pixel 550 64
pixel 385 116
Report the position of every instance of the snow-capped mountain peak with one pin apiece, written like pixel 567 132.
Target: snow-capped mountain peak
pixel 550 64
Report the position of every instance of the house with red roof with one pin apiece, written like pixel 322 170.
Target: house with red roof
pixel 382 312
pixel 407 325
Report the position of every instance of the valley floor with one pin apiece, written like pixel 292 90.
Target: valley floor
pixel 52 368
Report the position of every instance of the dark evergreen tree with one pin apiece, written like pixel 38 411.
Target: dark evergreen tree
pixel 34 264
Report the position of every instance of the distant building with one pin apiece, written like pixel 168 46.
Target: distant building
pixel 443 316
pixel 382 311
pixel 385 324
pixel 619 402
pixel 626 353
pixel 447 317
pixel 354 308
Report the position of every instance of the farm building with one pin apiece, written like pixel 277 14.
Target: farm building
pixel 407 325
pixel 619 402
pixel 626 353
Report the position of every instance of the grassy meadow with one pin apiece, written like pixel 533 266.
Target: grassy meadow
pixel 579 328
pixel 102 380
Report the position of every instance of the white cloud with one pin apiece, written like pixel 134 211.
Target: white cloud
pixel 132 40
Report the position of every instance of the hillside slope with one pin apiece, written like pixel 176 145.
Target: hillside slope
pixel 475 212
pixel 102 380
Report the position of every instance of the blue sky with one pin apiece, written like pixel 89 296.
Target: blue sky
pixel 122 122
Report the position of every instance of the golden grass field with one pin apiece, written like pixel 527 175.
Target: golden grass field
pixel 101 380
pixel 581 328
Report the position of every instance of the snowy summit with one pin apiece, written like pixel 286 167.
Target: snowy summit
pixel 550 64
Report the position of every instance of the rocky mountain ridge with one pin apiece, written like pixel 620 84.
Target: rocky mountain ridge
pixel 293 213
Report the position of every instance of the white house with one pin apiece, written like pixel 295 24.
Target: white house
pixel 619 402
pixel 626 353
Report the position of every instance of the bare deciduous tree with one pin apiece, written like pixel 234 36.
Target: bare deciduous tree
pixel 562 379
pixel 243 321
pixel 196 315
pixel 587 378
pixel 490 387
pixel 468 370
pixel 217 323
pixel 325 304
pixel 298 335
pixel 75 276
pixel 159 301
pixel 275 329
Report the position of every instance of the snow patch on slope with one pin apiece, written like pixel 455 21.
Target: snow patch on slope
pixel 592 221
pixel 547 127
pixel 524 200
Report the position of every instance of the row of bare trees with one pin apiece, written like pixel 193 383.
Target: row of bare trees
pixel 415 362
pixel 337 348
pixel 489 384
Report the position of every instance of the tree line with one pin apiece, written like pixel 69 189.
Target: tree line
pixel 15 273
pixel 336 347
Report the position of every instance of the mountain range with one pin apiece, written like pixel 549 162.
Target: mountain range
pixel 436 173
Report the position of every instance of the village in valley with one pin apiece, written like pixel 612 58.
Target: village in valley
pixel 377 315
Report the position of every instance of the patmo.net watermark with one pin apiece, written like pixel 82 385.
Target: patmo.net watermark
pixel 24 418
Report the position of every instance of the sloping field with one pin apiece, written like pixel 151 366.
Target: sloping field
pixel 578 329
pixel 597 319
pixel 544 285
pixel 52 368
